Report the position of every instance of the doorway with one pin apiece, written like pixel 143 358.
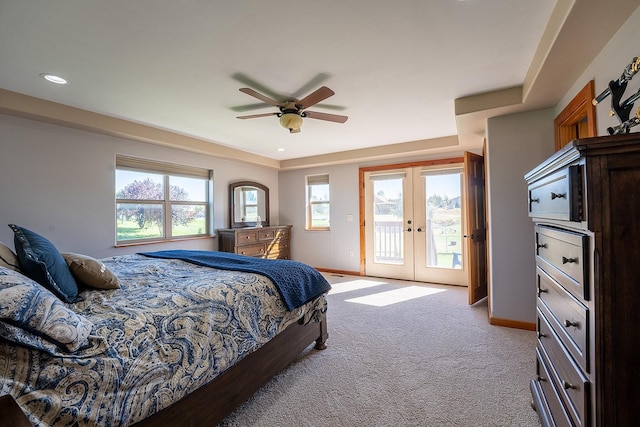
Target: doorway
pixel 414 223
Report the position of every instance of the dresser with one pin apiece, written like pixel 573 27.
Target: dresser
pixel 272 242
pixel 585 204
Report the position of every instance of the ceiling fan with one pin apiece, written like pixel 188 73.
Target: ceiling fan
pixel 292 112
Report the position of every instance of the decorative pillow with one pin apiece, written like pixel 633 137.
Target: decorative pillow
pixel 8 258
pixel 91 272
pixel 40 260
pixel 32 316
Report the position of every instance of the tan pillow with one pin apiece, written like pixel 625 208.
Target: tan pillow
pixel 8 258
pixel 91 272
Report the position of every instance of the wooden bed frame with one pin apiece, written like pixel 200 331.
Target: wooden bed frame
pixel 213 402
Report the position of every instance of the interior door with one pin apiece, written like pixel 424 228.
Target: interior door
pixel 476 236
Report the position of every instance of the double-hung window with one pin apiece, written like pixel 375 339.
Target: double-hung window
pixel 318 208
pixel 158 201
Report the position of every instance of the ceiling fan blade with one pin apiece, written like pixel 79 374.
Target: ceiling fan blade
pixel 315 97
pixel 253 116
pixel 325 116
pixel 260 96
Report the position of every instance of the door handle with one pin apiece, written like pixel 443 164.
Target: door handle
pixel 473 236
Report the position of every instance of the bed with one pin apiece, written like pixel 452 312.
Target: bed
pixel 176 343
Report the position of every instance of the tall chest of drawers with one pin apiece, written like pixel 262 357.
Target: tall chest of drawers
pixel 585 203
pixel 263 242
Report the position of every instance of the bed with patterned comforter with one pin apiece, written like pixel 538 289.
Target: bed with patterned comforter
pixel 170 328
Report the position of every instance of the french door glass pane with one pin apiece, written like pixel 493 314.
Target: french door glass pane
pixel 388 221
pixel 444 220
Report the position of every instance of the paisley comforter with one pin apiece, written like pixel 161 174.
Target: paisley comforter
pixel 172 327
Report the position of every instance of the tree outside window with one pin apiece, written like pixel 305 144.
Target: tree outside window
pixel 159 206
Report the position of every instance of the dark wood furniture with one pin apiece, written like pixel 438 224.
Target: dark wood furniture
pixel 585 202
pixel 264 242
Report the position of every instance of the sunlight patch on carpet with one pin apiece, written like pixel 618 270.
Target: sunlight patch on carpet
pixel 353 285
pixel 382 299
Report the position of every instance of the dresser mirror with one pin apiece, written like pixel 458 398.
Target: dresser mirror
pixel 249 203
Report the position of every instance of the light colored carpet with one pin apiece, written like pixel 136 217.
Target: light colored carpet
pixel 428 361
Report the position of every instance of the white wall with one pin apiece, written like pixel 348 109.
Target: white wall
pixel 60 182
pixel 515 144
pixel 324 249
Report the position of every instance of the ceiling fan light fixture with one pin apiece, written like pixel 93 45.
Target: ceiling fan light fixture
pixel 291 121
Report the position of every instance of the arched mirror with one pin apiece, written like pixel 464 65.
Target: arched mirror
pixel 248 201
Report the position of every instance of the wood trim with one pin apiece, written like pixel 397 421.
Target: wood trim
pixel 332 271
pixel 361 172
pixel 579 108
pixel 517 324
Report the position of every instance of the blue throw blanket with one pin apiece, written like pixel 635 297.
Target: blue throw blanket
pixel 297 283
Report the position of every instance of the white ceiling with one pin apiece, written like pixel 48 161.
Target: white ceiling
pixel 395 66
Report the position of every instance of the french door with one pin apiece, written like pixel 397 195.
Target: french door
pixel 414 224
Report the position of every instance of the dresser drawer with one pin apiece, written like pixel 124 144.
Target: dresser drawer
pixel 557 196
pixel 568 317
pixel 552 402
pixel 246 237
pixel 572 385
pixel 251 250
pixel 565 252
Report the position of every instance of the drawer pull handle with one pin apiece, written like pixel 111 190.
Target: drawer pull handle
pixel 567 385
pixel 557 196
pixel 541 378
pixel 534 200
pixel 541 335
pixel 542 245
pixel 568 323
pixel 542 291
pixel 566 260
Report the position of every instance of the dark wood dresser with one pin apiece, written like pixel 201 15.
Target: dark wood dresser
pixel 585 202
pixel 272 242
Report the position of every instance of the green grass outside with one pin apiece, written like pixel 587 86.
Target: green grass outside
pixel 129 230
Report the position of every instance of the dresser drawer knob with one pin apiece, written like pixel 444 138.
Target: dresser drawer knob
pixel 566 260
pixel 534 201
pixel 568 323
pixel 557 196
pixel 542 246
pixel 567 385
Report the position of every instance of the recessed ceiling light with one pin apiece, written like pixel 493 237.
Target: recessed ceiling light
pixel 280 149
pixel 54 79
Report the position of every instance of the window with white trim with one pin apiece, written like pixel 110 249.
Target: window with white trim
pixel 158 201
pixel 318 207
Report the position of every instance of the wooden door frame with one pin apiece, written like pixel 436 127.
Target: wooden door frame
pixel 579 108
pixel 361 183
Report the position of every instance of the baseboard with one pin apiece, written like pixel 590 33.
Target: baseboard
pixel 346 272
pixel 517 324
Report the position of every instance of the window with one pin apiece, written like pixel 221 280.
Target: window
pixel 318 202
pixel 160 201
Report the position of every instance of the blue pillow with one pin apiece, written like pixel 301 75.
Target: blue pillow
pixel 40 261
